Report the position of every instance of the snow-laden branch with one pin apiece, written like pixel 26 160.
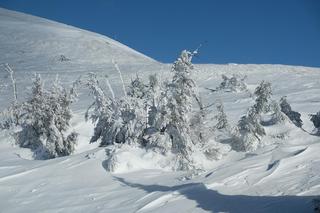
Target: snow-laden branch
pixel 13 81
pixel 120 74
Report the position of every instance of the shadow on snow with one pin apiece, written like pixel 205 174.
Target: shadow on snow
pixel 212 201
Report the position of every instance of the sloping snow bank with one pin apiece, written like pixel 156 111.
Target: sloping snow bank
pixel 127 158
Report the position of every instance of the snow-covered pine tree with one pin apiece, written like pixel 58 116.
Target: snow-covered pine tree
pixel 154 103
pixel 249 132
pixel 134 112
pixel 263 95
pixel 137 88
pixel 277 115
pixel 315 118
pixel 294 116
pixel 117 121
pixel 45 121
pixel 181 91
pixel 131 121
pixel 221 117
pixel 104 112
pixel 155 136
pixel 10 117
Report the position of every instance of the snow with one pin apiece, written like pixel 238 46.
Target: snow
pixel 282 176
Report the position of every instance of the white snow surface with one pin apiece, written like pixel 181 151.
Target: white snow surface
pixel 282 176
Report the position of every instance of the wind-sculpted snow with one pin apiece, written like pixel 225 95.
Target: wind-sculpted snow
pixel 282 175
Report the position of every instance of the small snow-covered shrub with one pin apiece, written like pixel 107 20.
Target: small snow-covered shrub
pixel 44 121
pixel 63 58
pixel 294 116
pixel 234 83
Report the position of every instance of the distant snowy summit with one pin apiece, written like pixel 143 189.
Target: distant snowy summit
pixel 32 43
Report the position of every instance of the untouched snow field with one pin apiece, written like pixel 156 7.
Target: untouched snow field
pixel 282 176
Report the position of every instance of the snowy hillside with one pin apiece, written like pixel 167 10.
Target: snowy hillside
pixel 281 176
pixel 36 45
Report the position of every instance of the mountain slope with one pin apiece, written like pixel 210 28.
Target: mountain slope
pixel 36 45
pixel 32 42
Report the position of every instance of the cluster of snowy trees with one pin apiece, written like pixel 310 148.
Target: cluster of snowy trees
pixel 157 115
pixel 163 115
pixel 235 83
pixel 43 120
pixel 250 130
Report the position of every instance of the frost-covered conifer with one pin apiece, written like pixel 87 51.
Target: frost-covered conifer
pixel 45 121
pixel 277 115
pixel 263 95
pixel 315 118
pixel 117 121
pixel 137 89
pixel 221 117
pixel 180 94
pixel 104 112
pixel 11 116
pixel 249 132
pixel 294 116
pixel 155 135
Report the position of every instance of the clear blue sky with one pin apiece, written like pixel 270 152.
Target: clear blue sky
pixel 235 31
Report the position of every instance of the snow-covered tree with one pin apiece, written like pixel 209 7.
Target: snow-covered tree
pixel 104 112
pixel 137 88
pixel 45 121
pixel 315 118
pixel 221 117
pixel 263 95
pixel 294 116
pixel 10 116
pixel 249 132
pixel 234 83
pixel 277 115
pixel 181 91
pixel 116 121
pixel 155 136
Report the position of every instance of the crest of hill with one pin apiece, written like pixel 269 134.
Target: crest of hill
pixel 40 45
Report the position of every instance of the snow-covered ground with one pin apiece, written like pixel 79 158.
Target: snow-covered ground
pixel 282 176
